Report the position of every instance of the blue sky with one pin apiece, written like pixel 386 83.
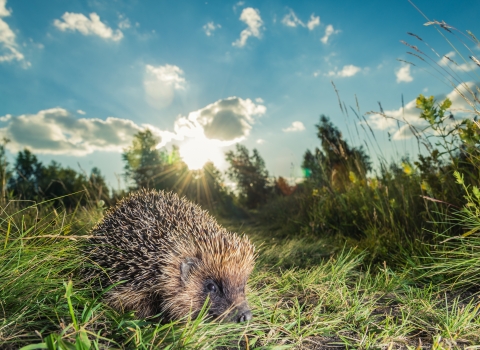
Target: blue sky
pixel 79 78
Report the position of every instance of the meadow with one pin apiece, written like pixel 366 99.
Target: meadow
pixel 304 294
pixel 350 258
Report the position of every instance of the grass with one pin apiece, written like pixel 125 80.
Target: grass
pixel 303 295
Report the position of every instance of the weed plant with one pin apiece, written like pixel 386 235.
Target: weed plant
pixel 455 260
pixel 395 211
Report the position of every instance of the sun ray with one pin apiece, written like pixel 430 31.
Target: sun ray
pixel 196 152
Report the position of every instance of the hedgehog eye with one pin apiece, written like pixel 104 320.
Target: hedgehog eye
pixel 212 287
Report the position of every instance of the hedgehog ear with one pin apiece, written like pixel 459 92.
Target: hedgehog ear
pixel 186 267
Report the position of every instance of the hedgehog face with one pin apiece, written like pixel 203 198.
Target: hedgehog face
pixel 225 293
pixel 227 301
pixel 212 265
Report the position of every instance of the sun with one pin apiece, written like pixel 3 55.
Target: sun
pixel 198 151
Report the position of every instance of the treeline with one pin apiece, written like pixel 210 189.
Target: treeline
pixel 163 169
pixel 30 180
pixel 145 166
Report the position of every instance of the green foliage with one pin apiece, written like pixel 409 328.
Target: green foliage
pixel 39 250
pixel 390 211
pixel 27 174
pixel 250 175
pixel 380 213
pixel 455 260
pixel 458 140
pixel 5 172
pixel 33 181
pixel 206 187
pixel 148 167
pixel 449 136
pixel 470 135
pixel 333 164
pixel 435 115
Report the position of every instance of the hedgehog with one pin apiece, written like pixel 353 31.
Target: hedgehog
pixel 167 257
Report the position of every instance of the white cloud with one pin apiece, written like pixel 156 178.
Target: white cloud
pixel 259 100
pixel 210 27
pixel 203 133
pixel 8 45
pixel 39 46
pixel 227 121
pixel 291 20
pixel 329 31
pixel 261 141
pixel 160 83
pixel 313 22
pixel 168 74
pixel 328 57
pixel 347 71
pixel 124 22
pixel 296 126
pixel 56 131
pixel 6 118
pixel 79 111
pixel 4 12
pixel 251 17
pixel 448 61
pixel 403 74
pixel 410 114
pixel 87 26
pixel 238 4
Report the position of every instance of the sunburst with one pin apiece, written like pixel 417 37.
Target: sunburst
pixel 196 152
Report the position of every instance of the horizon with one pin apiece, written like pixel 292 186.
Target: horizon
pixel 79 79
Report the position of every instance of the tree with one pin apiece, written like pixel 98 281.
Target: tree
pixel 31 180
pixel 142 160
pixel 26 175
pixel 336 160
pixel 56 181
pixel 282 187
pixel 98 188
pixel 5 173
pixel 148 167
pixel 313 167
pixel 250 174
pixel 204 186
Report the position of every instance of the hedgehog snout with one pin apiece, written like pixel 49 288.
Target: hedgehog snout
pixel 241 313
pixel 245 316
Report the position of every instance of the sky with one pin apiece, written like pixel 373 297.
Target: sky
pixel 79 78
